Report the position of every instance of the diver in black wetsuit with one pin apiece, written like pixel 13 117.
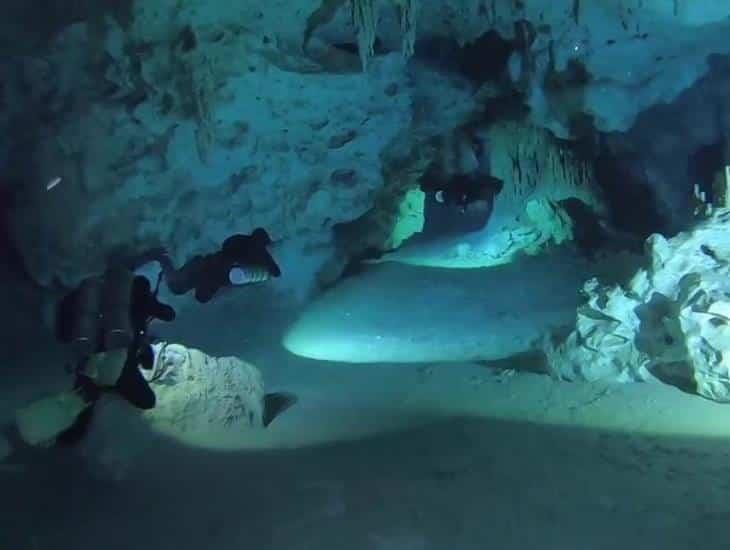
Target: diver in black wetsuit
pixel 463 190
pixel 105 320
pixel 242 259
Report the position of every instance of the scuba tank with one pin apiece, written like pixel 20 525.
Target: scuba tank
pixel 116 304
pixel 96 316
pixel 84 309
pixel 104 320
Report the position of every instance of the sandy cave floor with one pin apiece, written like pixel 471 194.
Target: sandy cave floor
pixel 439 456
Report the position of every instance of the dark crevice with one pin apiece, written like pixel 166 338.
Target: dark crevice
pixel 353 49
pixel 483 60
pixel 632 202
pixel 588 234
pixel 512 106
pixel 633 207
pixel 704 165
pixel 574 76
pixel 187 41
pixel 29 26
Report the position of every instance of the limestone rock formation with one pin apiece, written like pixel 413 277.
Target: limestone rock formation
pixel 570 56
pixel 175 124
pixel 670 322
pixel 199 395
pixel 539 173
pixel 528 216
pixel 192 139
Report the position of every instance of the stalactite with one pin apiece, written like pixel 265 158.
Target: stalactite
pixel 365 19
pixel 576 11
pixel 408 12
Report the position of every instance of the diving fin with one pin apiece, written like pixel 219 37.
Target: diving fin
pixel 41 422
pixel 275 404
pixel 79 429
pixel 261 237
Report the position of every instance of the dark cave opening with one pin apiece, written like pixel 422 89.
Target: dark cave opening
pixel 483 60
pixel 29 26
pixel 704 164
pixel 633 205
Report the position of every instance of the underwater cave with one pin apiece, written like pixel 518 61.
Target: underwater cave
pixel 378 274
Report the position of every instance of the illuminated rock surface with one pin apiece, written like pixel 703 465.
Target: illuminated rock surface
pixel 670 320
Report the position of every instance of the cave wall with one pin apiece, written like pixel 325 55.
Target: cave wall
pixel 175 125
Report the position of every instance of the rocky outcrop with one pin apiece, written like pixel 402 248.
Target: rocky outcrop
pixel 539 174
pixel 181 133
pixel 570 56
pixel 175 124
pixel 674 146
pixel 189 140
pixel 670 322
pixel 197 393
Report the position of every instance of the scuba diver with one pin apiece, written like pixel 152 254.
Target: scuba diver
pixel 104 320
pixel 110 315
pixel 463 190
pixel 242 260
pixel 459 203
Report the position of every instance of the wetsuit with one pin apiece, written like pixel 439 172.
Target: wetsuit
pixel 242 259
pixel 107 314
pixel 464 189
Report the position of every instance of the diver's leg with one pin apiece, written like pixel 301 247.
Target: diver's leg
pixel 205 291
pixel 134 388
pixel 146 357
pixel 145 305
pixel 271 265
pixel 182 280
pixel 90 392
pixel 79 429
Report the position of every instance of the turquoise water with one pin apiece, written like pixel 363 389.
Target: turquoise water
pixel 437 181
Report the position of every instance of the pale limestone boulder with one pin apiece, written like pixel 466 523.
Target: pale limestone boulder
pixel 603 342
pixel 670 322
pixel 200 395
pixel 704 317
